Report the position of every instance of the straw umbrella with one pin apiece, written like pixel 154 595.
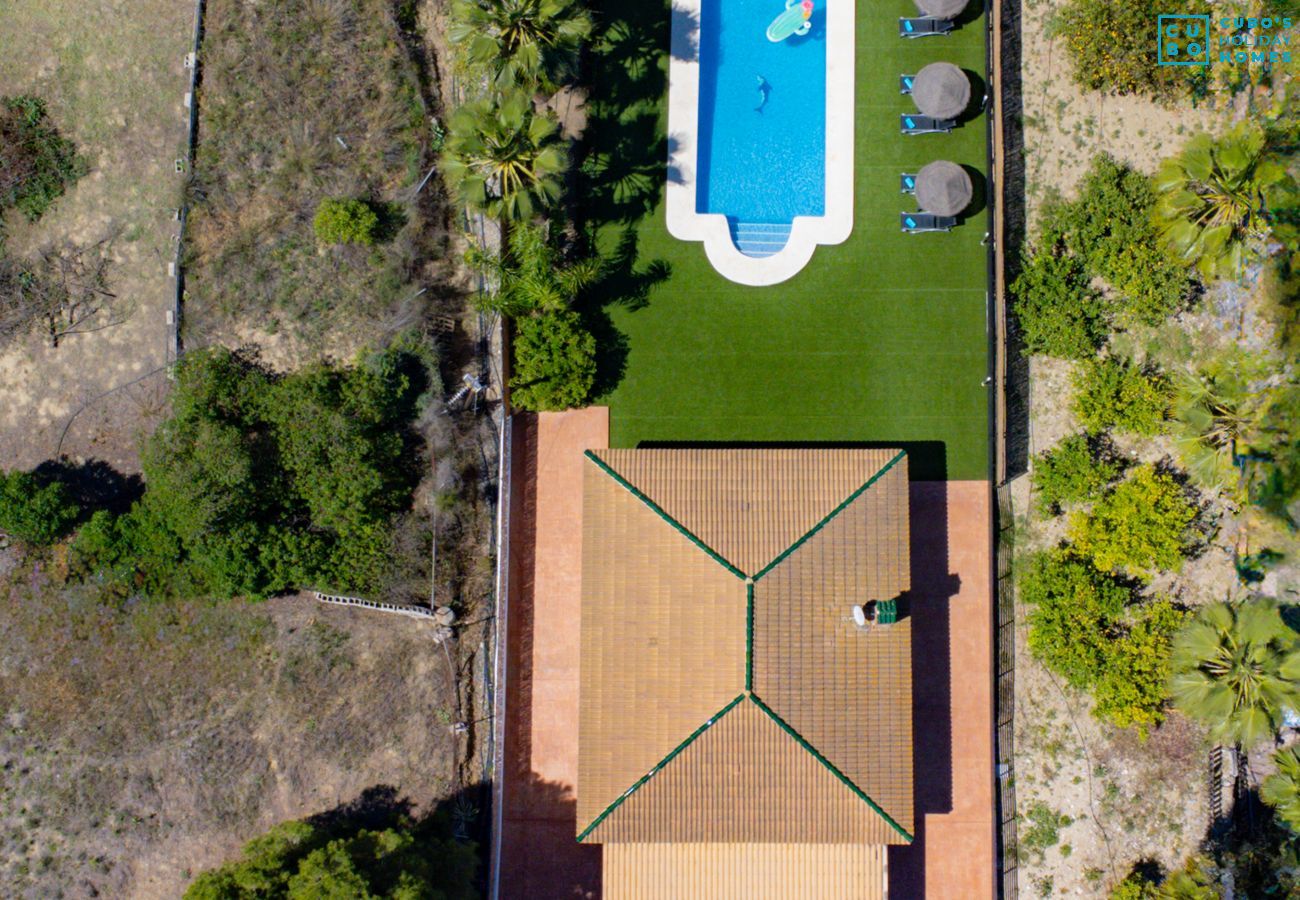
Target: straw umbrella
pixel 943 188
pixel 941 9
pixel 941 90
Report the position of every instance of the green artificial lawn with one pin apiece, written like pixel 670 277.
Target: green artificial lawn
pixel 881 339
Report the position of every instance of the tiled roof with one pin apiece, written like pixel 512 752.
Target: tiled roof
pixel 743 871
pixel 726 695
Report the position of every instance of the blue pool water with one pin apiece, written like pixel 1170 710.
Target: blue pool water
pixel 760 167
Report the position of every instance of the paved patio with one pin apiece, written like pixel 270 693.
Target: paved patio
pixel 540 857
pixel 952 657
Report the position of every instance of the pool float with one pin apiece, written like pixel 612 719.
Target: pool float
pixel 793 20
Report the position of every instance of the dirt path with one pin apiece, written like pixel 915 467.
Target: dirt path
pixel 539 853
pixel 114 78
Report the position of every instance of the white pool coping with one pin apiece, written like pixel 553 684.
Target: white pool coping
pixel 833 227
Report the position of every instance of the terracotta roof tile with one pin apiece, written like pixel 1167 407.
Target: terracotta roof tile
pixel 671 745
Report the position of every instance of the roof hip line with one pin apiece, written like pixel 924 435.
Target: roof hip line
pixel 712 720
pixel 816 754
pixel 827 518
pixel 659 511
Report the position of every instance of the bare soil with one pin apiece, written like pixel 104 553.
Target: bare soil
pixel 1093 801
pixel 1065 127
pixel 114 79
pixel 144 745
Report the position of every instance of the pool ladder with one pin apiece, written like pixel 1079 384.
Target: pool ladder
pixel 759 239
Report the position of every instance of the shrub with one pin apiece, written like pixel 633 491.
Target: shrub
pixel 1072 608
pixel 299 860
pixel 257 483
pixel 346 222
pixel 1132 688
pixel 1143 524
pixel 35 513
pixel 1074 471
pixel 1082 628
pixel 1059 312
pixel 1110 229
pixel 555 362
pixel 1112 46
pixel 1111 393
pixel 37 164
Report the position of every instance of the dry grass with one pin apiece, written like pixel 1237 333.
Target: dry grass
pixel 303 100
pixel 113 77
pixel 144 744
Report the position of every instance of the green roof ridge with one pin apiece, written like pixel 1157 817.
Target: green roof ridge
pixel 831 515
pixel 749 634
pixel 663 762
pixel 816 754
pixel 659 511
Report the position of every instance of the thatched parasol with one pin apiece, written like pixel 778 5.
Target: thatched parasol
pixel 941 90
pixel 941 9
pixel 943 188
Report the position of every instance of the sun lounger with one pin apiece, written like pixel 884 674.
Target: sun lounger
pixel 922 222
pixel 915 123
pixel 924 26
pixel 907 183
pixel 905 83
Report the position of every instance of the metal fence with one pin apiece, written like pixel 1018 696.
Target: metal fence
pixel 1005 697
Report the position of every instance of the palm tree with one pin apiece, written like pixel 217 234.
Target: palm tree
pixel 1213 198
pixel 1236 669
pixel 1281 790
pixel 521 42
pixel 503 157
pixel 1220 410
pixel 531 276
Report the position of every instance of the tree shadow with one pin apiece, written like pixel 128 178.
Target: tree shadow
pixel 685 29
pixel 93 483
pixel 623 159
pixel 540 858
pixel 392 219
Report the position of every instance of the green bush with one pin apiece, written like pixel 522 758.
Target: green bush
pixel 298 860
pixel 1112 394
pixel 256 483
pixel 346 222
pixel 1058 311
pixel 1110 229
pixel 1072 609
pixel 37 164
pixel 554 362
pixel 1074 471
pixel 1083 628
pixel 1113 45
pixel 35 513
pixel 1143 524
pixel 1132 688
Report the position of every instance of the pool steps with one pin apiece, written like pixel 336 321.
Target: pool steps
pixel 759 239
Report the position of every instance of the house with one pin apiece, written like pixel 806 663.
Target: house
pixel 744 731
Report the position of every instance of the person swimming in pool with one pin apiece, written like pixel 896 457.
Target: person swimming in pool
pixel 764 89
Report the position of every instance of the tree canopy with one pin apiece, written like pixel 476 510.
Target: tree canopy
pixel 1237 669
pixel 257 483
pixel 302 861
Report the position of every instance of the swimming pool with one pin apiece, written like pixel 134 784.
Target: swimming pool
pixel 762 115
pixel 761 134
